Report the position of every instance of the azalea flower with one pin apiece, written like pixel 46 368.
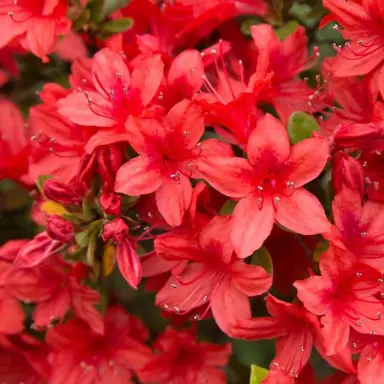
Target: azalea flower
pixel 361 22
pixel 167 154
pixel 81 356
pixel 269 184
pixel 181 359
pixel 214 277
pixel 294 329
pixel 114 93
pixel 36 24
pixel 358 227
pixel 344 295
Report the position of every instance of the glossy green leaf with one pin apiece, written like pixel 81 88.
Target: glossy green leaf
pixel 112 5
pixel 117 26
pixel 257 374
pixel 300 127
pixel 262 258
pixel 228 207
pixel 287 29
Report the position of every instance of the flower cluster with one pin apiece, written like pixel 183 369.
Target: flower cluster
pixel 238 175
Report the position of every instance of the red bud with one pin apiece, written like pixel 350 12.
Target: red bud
pixel 116 230
pixel 109 160
pixel 111 203
pixel 347 171
pixel 61 193
pixel 60 229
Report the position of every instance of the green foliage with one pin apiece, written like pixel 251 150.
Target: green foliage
pixel 300 127
pixel 257 374
pixel 117 26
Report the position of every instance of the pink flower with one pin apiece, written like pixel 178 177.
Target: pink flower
pixel 37 24
pixel 167 152
pixel 214 277
pixel 270 184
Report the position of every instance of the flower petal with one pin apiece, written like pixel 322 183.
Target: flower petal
pixel 302 213
pixel 269 138
pixel 138 176
pixel 173 199
pixel 251 225
pixel 308 159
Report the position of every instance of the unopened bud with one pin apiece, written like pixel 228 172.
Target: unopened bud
pixel 61 193
pixel 60 229
pixel 115 230
pixel 109 160
pixel 110 203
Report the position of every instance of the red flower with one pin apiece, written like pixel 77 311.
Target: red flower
pixel 13 142
pixel 180 359
pixel 294 329
pixel 286 59
pixel 81 356
pixel 270 184
pixel 115 92
pixel 344 296
pixel 126 256
pixel 37 250
pixel 37 24
pixel 167 152
pixel 358 227
pixel 361 22
pixel 214 277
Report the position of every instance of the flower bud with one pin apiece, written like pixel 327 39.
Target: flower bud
pixel 60 229
pixel 347 171
pixel 61 193
pixel 109 160
pixel 86 170
pixel 111 203
pixel 116 230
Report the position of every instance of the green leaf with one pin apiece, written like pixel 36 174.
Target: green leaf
pixel 287 29
pixel 83 238
pixel 300 127
pixel 257 374
pixel 117 26
pixel 112 5
pixel 41 181
pixel 247 24
pixel 320 249
pixel 263 259
pixel 228 207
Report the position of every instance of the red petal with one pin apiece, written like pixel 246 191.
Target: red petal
pixel 302 213
pixel 138 176
pixel 129 263
pixel 308 159
pixel 251 225
pixel 173 199
pixel 269 137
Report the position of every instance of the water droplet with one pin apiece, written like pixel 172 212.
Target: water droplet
pixel 369 359
pixel 166 306
pixel 160 96
pixel 359 274
pixel 359 323
pixel 378 314
pixel 365 163
pixel 354 345
pixel 175 176
pixel 336 27
pixel 373 333
pixel 214 52
pixel 260 188
pixel 186 133
pixel 378 152
pixel 118 75
pixel 173 285
pixel 275 363
pixel 259 202
pixel 376 185
pixel 363 234
pixel 149 214
pixel 205 298
pixel 302 349
pixel 176 309
pixel 380 280
pixel 276 200
pixel 196 317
